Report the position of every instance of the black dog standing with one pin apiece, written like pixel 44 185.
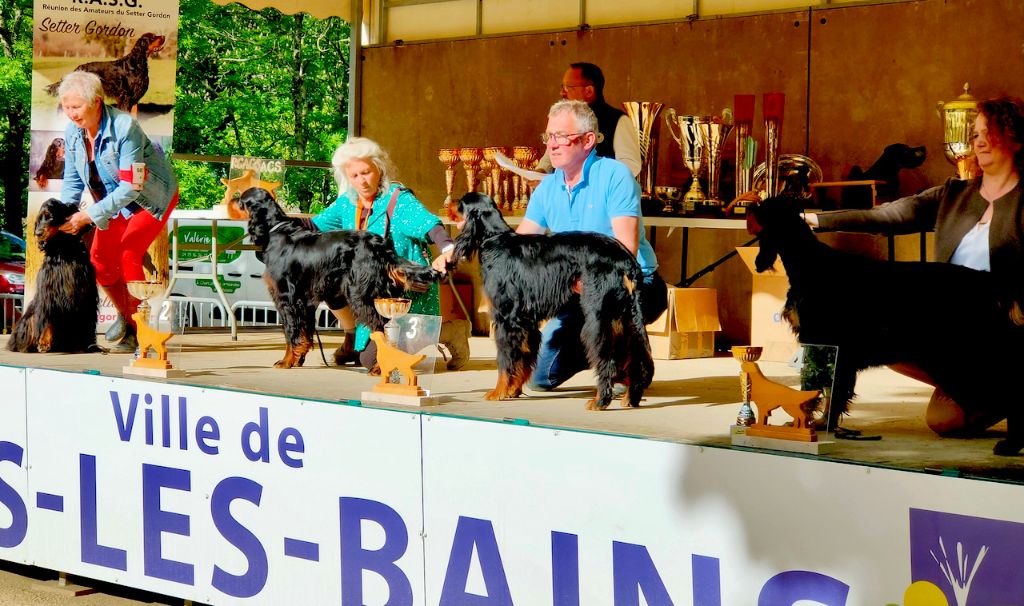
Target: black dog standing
pixel 943 318
pixel 62 314
pixel 530 278
pixel 340 268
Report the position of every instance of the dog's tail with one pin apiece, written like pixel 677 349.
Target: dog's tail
pixel 22 340
pixel 642 350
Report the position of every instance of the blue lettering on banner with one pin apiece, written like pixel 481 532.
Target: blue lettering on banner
pixel 254 579
pixel 633 572
pixel 92 551
pixel 565 569
pixel 206 430
pixel 472 534
pixel 288 442
pixel 13 535
pixel 156 521
pixel 788 588
pixel 355 559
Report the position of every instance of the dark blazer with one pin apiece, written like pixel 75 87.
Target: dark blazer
pixel 951 209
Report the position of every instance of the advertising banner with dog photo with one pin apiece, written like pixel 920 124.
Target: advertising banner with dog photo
pixel 222 497
pixel 132 47
pixel 13 468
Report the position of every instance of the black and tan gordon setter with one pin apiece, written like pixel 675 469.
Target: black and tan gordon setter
pixel 62 314
pixel 125 80
pixel 343 267
pixel 530 278
pixel 945 319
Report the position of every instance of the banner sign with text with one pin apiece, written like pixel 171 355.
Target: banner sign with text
pixel 221 497
pixel 240 498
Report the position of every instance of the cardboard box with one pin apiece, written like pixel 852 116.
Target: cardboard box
pixel 768 328
pixel 450 308
pixel 687 328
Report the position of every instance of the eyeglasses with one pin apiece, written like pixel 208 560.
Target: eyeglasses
pixel 560 138
pixel 566 87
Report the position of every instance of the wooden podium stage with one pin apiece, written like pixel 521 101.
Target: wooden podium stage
pixel 690 401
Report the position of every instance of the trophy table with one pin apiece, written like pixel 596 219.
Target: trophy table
pixel 150 339
pixel 398 382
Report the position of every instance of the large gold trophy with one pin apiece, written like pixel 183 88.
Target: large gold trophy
pixel 150 339
pixel 449 156
pixel 643 115
pixel 957 130
pixel 692 147
pixel 471 157
pixel 714 132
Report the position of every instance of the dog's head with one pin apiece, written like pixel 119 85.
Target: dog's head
pixel 52 214
pixel 263 213
pixel 150 43
pixel 776 221
pixel 899 156
pixel 478 218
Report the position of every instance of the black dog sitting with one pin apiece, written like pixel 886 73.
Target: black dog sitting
pixel 341 268
pixel 887 169
pixel 62 315
pixel 943 318
pixel 530 278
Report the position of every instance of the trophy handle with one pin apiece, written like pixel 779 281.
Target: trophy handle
pixel 672 121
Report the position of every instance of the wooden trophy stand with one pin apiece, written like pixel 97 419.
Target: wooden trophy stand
pixel 392 360
pixel 149 338
pixel 769 396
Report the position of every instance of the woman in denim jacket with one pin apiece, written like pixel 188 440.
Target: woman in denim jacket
pixel 101 146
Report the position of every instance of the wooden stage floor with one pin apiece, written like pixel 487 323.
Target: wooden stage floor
pixel 692 401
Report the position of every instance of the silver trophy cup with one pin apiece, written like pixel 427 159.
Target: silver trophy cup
pixel 643 115
pixel 692 147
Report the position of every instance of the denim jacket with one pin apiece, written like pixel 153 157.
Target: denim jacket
pixel 119 143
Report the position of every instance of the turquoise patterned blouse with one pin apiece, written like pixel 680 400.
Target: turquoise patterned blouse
pixel 410 224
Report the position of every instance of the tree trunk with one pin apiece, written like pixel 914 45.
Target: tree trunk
pixel 15 177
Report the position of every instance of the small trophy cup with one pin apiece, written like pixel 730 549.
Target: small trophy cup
pixel 957 127
pixel 398 382
pixel 746 353
pixel 471 157
pixel 669 197
pixel 496 178
pixel 449 156
pixel 691 145
pixel 714 132
pixel 643 115
pixel 150 339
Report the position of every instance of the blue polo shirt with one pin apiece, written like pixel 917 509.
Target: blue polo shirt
pixel 606 190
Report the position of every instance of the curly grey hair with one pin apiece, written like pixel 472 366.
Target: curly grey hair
pixel 361 148
pixel 586 121
pixel 87 85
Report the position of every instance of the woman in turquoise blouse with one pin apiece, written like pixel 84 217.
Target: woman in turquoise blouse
pixel 364 174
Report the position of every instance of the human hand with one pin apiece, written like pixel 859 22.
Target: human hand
pixel 810 219
pixel 76 222
pixel 442 261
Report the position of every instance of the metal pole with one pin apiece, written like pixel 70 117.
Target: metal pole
pixel 355 69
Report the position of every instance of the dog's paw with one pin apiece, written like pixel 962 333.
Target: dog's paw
pixel 286 363
pixel 595 404
pixel 1008 448
pixel 502 394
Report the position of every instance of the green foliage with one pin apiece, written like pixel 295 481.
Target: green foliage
pixel 259 83
pixel 199 184
pixel 15 85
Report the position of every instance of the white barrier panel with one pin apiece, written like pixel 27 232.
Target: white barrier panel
pixel 537 516
pixel 223 497
pixel 13 468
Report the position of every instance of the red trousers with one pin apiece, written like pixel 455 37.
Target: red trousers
pixel 118 250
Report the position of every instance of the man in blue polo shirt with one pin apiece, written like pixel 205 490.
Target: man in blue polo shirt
pixel 585 193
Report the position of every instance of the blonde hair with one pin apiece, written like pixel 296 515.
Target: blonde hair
pixel 361 148
pixel 84 84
